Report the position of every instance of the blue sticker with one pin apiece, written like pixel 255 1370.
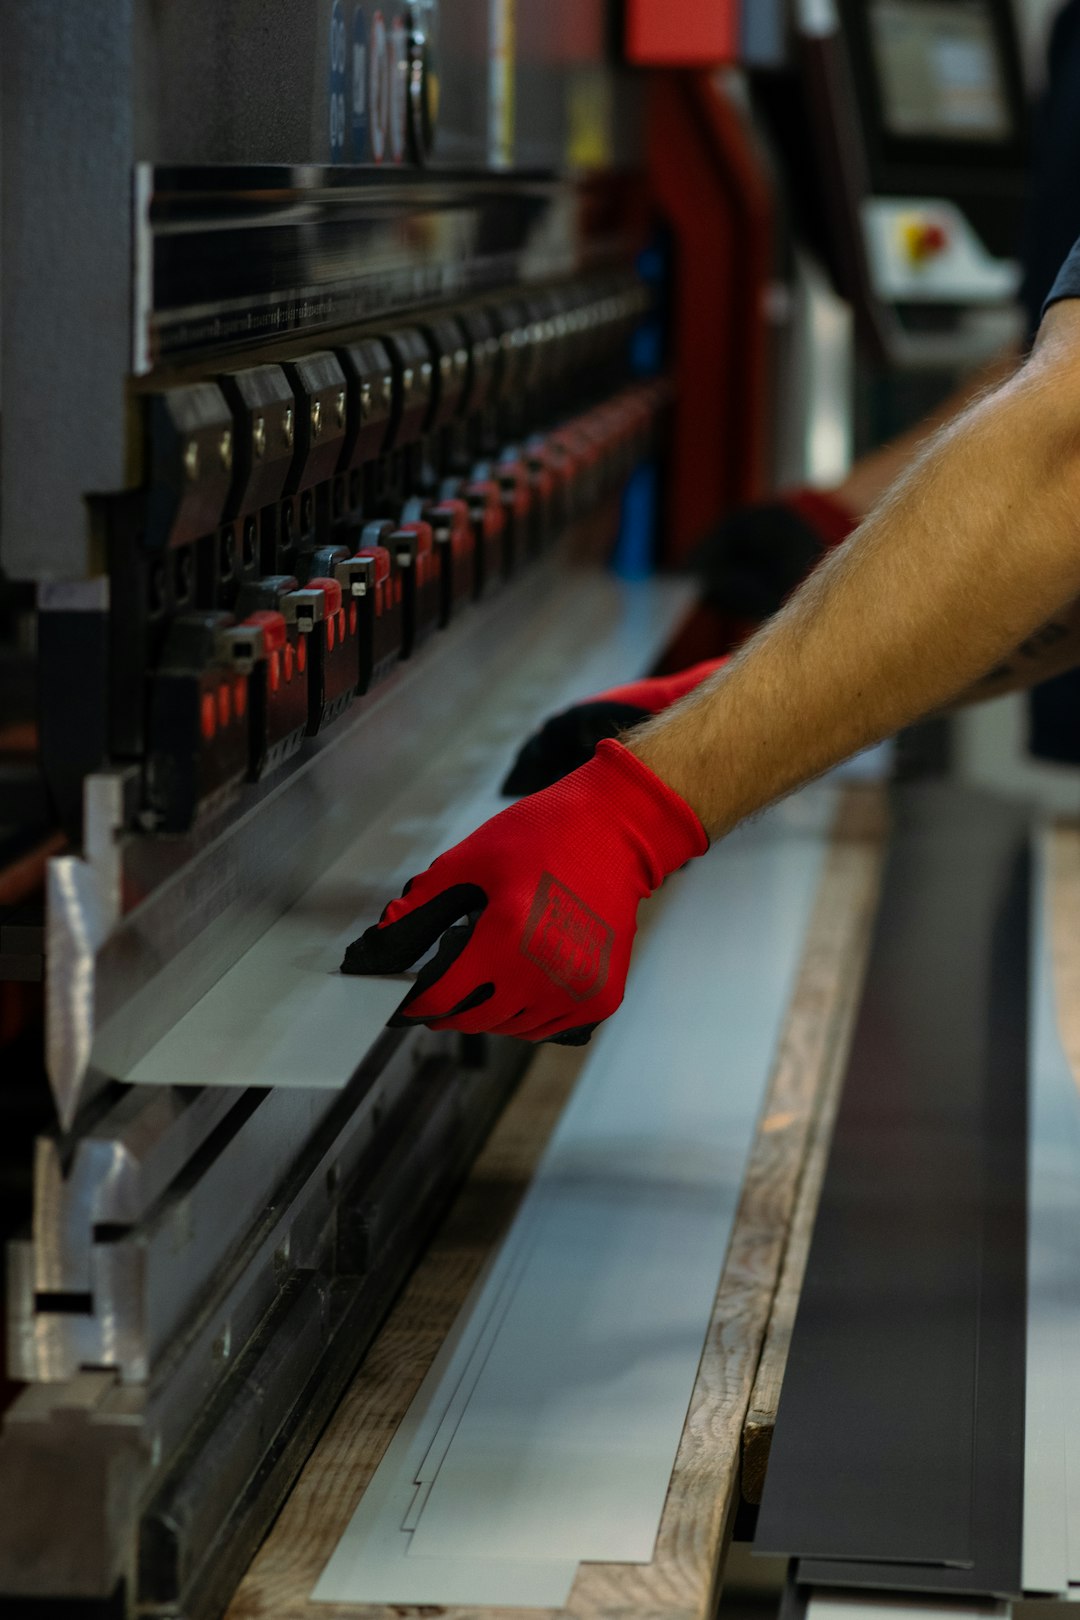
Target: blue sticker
pixel 359 67
pixel 339 85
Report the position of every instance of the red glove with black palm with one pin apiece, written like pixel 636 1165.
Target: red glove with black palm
pixel 535 913
pixel 569 739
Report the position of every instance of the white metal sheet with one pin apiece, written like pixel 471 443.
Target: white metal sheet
pixel 576 1359
pixel 900 1606
pixel 372 1557
pixel 1051 1547
pixel 567 1444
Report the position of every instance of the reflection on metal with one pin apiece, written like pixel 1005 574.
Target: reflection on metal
pixel 816 377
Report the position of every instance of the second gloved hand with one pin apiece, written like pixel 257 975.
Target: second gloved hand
pixel 569 738
pixel 535 913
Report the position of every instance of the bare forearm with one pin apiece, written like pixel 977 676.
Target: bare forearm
pixel 876 472
pixel 972 551
pixel 1050 650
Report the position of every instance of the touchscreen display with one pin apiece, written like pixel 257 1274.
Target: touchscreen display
pixel 939 69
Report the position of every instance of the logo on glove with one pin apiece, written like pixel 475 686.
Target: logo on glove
pixel 567 941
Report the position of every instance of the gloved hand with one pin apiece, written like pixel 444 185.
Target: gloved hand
pixel 762 553
pixel 537 910
pixel 569 739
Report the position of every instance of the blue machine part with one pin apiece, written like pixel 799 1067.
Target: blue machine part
pixel 635 549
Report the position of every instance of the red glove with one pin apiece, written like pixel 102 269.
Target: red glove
pixel 569 739
pixel 549 892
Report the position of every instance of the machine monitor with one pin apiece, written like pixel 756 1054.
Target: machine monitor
pixel 940 70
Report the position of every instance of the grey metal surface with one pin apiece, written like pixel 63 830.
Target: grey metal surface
pixel 296 252
pixel 67 149
pixel 898 1455
pixel 91 91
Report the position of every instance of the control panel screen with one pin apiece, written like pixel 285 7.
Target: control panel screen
pixel 940 70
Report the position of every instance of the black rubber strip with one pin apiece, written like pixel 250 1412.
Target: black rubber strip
pixel 898 1454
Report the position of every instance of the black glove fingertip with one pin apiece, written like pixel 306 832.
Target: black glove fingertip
pixel 363 956
pixel 573 1037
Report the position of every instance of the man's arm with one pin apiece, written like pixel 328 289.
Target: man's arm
pixel 1051 650
pixel 878 470
pixel 534 914
pixel 975 548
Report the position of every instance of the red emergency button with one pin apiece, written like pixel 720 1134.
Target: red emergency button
pixel 923 239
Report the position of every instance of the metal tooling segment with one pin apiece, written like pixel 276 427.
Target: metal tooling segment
pixel 898 1455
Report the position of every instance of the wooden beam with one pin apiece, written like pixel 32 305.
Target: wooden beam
pixel 828 999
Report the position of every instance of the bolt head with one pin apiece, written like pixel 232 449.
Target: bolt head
pixel 288 427
pixel 258 437
pixel 192 460
pixel 316 419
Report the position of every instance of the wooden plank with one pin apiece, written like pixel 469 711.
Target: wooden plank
pixel 831 983
pixel 682 1581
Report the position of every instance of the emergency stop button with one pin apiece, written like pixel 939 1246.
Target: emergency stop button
pixel 923 239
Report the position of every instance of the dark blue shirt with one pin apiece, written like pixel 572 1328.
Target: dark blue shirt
pixel 1052 234
pixel 1053 213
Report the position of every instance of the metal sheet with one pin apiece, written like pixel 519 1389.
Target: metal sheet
pixel 283 1015
pixel 864 1606
pixel 1052 1431
pixel 898 1454
pixel 563 1449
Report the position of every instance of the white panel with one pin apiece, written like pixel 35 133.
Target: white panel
pixel 964 272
